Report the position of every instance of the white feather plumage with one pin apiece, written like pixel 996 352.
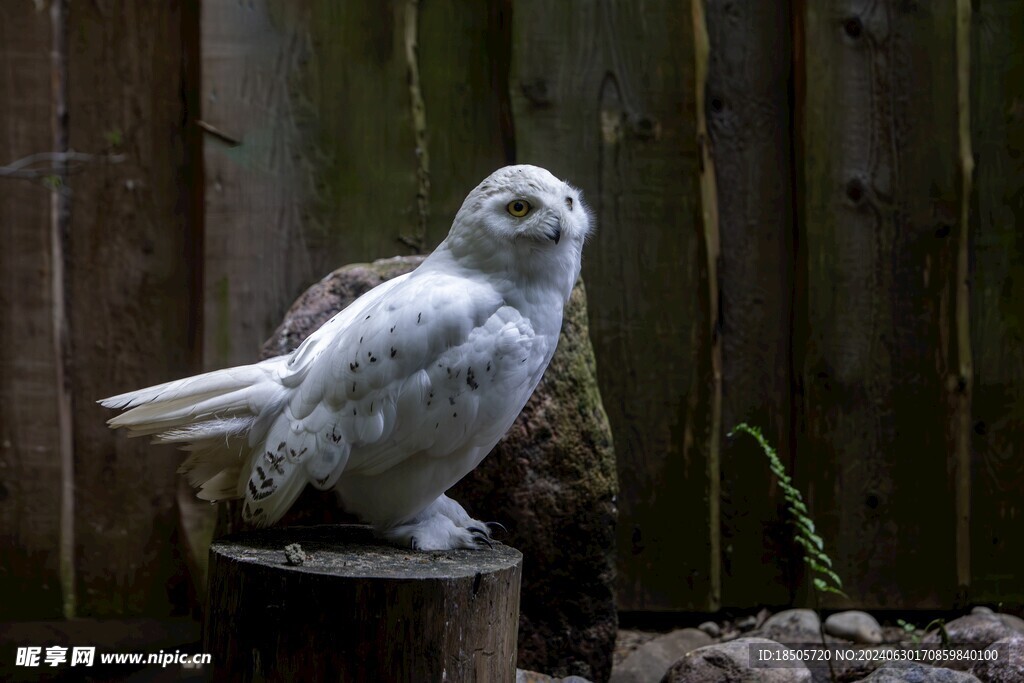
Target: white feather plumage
pixel 402 393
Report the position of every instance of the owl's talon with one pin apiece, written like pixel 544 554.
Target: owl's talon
pixel 480 538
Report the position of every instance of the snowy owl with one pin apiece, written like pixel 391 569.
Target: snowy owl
pixel 400 395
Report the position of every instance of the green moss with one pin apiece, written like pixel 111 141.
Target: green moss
pixel 576 414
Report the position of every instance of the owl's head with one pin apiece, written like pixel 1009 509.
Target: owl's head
pixel 522 218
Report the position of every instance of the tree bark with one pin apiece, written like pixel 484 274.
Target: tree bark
pixel 354 610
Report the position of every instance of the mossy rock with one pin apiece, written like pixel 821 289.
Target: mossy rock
pixel 551 481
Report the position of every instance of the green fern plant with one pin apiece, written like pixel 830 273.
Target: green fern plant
pixel 825 580
pixel 916 635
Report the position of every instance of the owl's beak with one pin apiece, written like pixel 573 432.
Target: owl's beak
pixel 556 233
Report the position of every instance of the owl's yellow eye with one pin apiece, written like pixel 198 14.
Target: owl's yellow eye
pixel 518 207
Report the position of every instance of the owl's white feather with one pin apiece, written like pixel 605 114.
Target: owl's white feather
pixel 402 393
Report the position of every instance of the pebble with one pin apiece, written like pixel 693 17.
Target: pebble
pixel 650 661
pixel 729 662
pixel 915 672
pixel 524 676
pixel 711 628
pixel 746 623
pixel 793 626
pixel 1012 622
pixel 294 554
pixel 860 627
pixel 1008 667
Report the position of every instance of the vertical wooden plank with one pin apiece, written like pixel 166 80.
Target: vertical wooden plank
pixel 997 301
pixel 337 133
pixel 130 296
pixel 712 252
pixel 31 467
pixel 960 387
pixel 468 117
pixel 602 94
pixel 310 155
pixel 880 210
pixel 748 111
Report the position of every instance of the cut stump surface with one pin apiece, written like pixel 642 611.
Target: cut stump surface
pixel 355 610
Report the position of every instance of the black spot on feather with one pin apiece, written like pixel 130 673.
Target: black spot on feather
pixel 260 494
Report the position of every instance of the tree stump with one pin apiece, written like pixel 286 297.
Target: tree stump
pixel 355 610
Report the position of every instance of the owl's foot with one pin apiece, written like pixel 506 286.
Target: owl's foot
pixel 444 525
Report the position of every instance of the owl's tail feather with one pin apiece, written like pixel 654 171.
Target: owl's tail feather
pixel 218 416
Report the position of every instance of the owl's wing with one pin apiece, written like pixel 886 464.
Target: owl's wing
pixel 424 368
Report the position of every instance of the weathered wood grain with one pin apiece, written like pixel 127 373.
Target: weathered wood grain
pixel 270 77
pixel 997 301
pixel 712 257
pixel 880 209
pixel 468 115
pixel 354 610
pixel 602 94
pixel 32 470
pixel 324 168
pixel 131 303
pixel 317 158
pixel 747 105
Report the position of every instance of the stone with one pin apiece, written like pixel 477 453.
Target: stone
pixel 551 481
pixel 896 634
pixel 525 676
pixel 854 669
pixel 972 631
pixel 792 626
pixel 915 672
pixel 730 663
pixel 650 661
pixel 1007 667
pixel 294 554
pixel 860 627
pixel 711 628
pixel 981 609
pixel 976 630
pixel 627 640
pixel 1012 622
pixel 746 623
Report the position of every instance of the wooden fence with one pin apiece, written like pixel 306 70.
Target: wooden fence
pixel 791 233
